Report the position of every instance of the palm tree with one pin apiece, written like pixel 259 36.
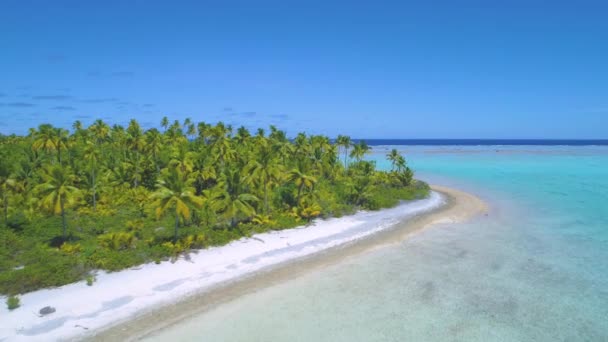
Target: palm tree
pixel 58 191
pixel 203 131
pixel 100 130
pixel 136 143
pixel 176 127
pixel 51 139
pixel 260 132
pixel 277 135
pixel 154 145
pixel 392 156
pixel 400 163
pixel 359 151
pixel 191 130
pixel 231 199
pixel 204 173
pixel 300 145
pixel 223 150
pixel 284 148
pixel 264 170
pixel 359 189
pixel 44 138
pixel 242 134
pixel 28 166
pixel 175 194
pixel 120 174
pixel 91 156
pixel 174 134
pixel 31 132
pixel 7 184
pixel 317 160
pixel 301 180
pixel 182 159
pixel 77 126
pixel 164 123
pixel 345 142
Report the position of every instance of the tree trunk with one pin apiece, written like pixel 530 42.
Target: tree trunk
pixel 299 192
pixel 94 193
pixel 345 155
pixel 63 219
pixel 156 162
pixel 265 196
pixel 176 227
pixel 5 201
pixel 135 181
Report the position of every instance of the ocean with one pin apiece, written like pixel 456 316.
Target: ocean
pixel 535 268
pixel 484 142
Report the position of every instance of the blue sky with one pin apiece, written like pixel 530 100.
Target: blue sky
pixel 369 69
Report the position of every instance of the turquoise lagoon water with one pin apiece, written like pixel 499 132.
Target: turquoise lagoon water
pixel 534 269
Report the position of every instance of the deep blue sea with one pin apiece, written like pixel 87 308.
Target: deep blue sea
pixel 534 269
pixel 485 142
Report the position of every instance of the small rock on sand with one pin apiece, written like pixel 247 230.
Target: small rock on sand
pixel 47 310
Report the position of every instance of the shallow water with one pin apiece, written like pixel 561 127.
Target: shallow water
pixel 534 269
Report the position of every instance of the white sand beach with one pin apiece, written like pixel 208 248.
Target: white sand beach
pixel 83 311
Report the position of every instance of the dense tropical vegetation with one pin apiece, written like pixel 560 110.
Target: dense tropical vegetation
pixel 114 197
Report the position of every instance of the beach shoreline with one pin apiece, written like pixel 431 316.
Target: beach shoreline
pixel 130 304
pixel 459 207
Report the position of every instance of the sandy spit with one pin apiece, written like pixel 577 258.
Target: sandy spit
pixel 458 206
pixel 133 303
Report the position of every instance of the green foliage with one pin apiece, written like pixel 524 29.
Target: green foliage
pixel 112 260
pixel 17 222
pixel 222 236
pixel 310 211
pixel 185 244
pixel 54 270
pixel 112 197
pixel 387 196
pixel 90 279
pixel 13 302
pixel 116 241
pixel 136 227
pixel 70 249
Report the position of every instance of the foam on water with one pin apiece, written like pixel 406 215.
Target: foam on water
pixel 535 269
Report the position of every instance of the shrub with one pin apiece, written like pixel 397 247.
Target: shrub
pixel 220 237
pixel 56 270
pixel 285 197
pixel 111 260
pixel 189 242
pixel 199 241
pixel 91 279
pixel 265 220
pixel 311 211
pixel 17 222
pixel 13 302
pixel 285 221
pixel 135 227
pixel 70 249
pixel 385 196
pixel 101 211
pixel 116 241
pixel 172 248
